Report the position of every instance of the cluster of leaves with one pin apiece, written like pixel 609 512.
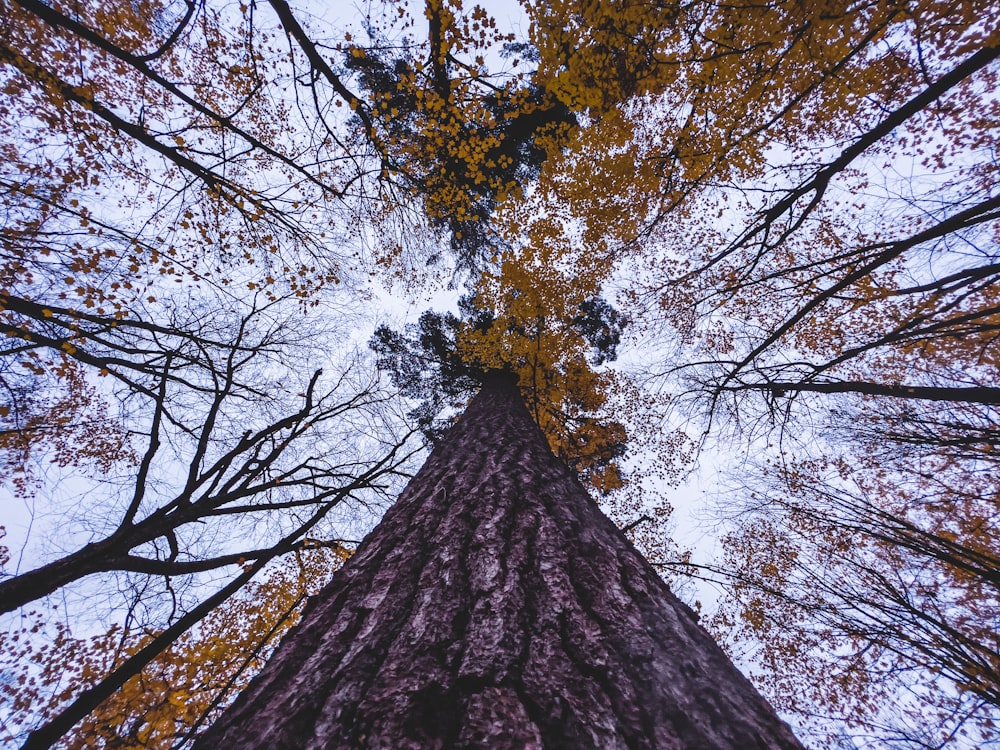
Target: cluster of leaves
pixel 424 363
pixel 873 575
pixel 184 687
pixel 4 550
pixel 442 359
pixel 61 416
pixel 183 164
pixel 454 135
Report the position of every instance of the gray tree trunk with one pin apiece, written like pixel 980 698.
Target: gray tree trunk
pixel 495 606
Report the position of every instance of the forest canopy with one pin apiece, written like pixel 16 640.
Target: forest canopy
pixel 759 239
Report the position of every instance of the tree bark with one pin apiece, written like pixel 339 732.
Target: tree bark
pixel 495 606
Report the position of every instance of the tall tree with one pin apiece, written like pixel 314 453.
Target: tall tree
pixel 495 606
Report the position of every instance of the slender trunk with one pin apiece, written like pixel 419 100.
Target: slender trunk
pixel 495 606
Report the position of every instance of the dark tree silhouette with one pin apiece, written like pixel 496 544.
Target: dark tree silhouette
pixel 496 606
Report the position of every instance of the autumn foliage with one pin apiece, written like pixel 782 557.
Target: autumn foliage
pixel 185 687
pixel 524 322
pixel 783 217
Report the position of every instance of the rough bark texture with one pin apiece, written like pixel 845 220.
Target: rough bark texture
pixel 495 606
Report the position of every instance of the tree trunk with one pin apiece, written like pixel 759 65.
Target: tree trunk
pixel 495 606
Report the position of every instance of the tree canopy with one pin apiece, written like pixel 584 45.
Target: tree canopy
pixel 762 233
